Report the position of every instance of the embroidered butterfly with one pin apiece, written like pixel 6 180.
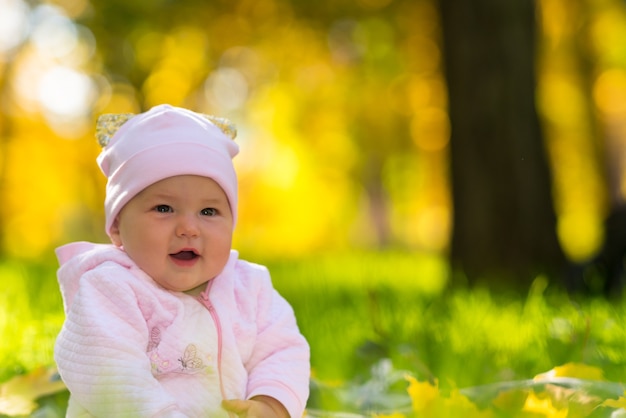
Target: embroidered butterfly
pixel 190 360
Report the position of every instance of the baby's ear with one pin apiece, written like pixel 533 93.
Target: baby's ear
pixel 114 233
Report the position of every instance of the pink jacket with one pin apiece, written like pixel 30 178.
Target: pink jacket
pixel 129 348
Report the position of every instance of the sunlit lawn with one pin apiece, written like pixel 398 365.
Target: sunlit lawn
pixel 374 319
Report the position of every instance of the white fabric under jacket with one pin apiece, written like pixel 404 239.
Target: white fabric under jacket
pixel 129 348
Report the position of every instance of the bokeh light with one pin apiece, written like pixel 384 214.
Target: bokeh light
pixel 14 26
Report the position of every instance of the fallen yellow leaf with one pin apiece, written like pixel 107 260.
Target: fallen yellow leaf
pixel 615 403
pixel 18 395
pixel 575 370
pixel 423 394
pixel 542 405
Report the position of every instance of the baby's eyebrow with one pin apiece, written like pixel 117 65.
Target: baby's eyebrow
pixel 161 196
pixel 213 200
pixel 213 203
pixel 172 197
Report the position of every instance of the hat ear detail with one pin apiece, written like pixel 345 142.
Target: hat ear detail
pixel 226 126
pixel 108 124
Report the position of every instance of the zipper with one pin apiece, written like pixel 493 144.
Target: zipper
pixel 218 326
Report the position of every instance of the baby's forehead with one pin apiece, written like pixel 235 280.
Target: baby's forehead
pixel 185 185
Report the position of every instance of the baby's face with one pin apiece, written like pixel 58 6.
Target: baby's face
pixel 178 230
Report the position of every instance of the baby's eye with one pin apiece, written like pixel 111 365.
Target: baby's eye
pixel 163 208
pixel 209 211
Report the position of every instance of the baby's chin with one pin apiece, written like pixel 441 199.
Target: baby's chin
pixel 196 290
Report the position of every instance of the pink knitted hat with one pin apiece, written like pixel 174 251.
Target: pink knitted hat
pixel 163 142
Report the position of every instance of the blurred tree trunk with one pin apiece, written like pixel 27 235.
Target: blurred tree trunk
pixel 504 220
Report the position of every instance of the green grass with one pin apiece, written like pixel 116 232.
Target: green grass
pixel 359 309
pixel 31 314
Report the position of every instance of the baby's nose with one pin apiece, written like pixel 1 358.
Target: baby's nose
pixel 187 226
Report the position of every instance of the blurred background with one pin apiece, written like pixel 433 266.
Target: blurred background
pixel 488 134
pixel 391 150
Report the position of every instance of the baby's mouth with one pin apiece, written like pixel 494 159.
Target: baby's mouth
pixel 184 255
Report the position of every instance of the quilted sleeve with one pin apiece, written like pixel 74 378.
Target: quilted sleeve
pixel 101 351
pixel 280 364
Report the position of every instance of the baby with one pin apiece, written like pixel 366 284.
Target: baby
pixel 167 321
